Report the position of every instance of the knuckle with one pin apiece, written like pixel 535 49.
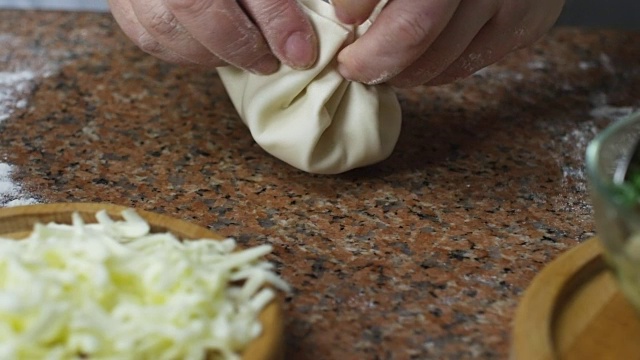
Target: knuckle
pixel 165 24
pixel 243 50
pixel 155 49
pixel 473 61
pixel 149 45
pixel 521 38
pixel 273 10
pixel 243 46
pixel 410 28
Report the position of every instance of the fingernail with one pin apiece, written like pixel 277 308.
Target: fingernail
pixel 268 64
pixel 300 51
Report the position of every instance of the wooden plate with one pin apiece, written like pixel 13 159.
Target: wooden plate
pixel 574 310
pixel 17 222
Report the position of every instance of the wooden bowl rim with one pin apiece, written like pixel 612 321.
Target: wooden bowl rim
pixel 533 333
pixel 268 346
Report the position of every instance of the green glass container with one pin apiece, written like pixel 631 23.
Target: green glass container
pixel 617 205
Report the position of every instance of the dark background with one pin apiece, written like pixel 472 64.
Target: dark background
pixel 623 14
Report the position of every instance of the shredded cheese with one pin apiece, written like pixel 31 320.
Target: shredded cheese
pixel 113 290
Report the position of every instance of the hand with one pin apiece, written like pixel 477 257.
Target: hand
pixel 432 42
pixel 254 35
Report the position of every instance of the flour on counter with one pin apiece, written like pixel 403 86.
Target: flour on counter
pixel 602 109
pixel 17 85
pixel 538 64
pixel 12 194
pixel 14 87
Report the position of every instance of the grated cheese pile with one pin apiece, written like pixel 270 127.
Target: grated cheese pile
pixel 113 290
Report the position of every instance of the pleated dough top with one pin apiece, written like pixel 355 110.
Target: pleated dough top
pixel 315 119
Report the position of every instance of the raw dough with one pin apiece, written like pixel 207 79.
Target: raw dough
pixel 315 119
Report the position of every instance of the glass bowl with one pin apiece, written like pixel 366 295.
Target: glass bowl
pixel 616 210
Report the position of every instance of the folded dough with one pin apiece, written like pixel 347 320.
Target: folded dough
pixel 315 119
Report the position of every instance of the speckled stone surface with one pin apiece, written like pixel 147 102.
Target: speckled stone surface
pixel 422 256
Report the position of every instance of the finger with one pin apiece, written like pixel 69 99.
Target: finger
pixel 402 32
pixel 223 28
pixel 123 13
pixel 354 11
pixel 470 17
pixel 286 29
pixel 164 28
pixel 514 27
pixel 488 47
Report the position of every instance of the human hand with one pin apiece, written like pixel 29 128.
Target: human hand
pixel 254 35
pixel 433 42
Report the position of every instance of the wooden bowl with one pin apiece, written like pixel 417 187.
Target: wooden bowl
pixel 17 222
pixel 574 310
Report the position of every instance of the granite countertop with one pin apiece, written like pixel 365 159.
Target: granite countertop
pixel 422 256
